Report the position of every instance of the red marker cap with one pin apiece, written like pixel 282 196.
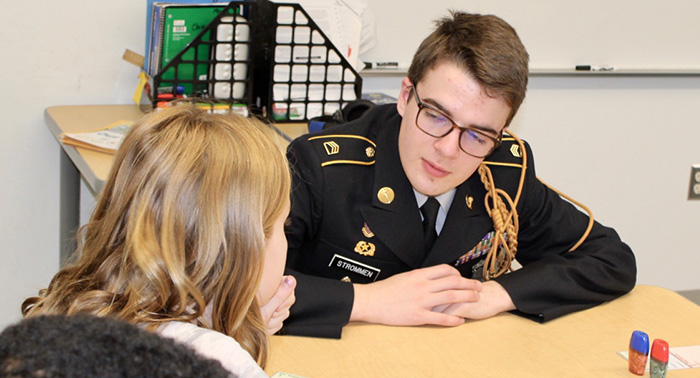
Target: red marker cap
pixel 659 350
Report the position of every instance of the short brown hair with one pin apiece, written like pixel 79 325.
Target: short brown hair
pixel 485 46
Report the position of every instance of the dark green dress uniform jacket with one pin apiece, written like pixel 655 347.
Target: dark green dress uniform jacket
pixel 339 229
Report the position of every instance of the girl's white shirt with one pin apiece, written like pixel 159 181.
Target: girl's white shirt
pixel 215 345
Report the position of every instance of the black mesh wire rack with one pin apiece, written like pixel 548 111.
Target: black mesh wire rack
pixel 271 58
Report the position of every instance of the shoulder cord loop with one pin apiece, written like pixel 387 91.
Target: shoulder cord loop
pixel 502 210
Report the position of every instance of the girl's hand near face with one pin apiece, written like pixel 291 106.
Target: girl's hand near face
pixel 276 310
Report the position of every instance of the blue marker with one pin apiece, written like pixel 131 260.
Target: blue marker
pixel 638 352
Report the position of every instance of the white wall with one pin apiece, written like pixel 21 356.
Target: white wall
pixel 560 33
pixel 60 52
pixel 624 146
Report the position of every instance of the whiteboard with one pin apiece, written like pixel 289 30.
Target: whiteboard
pixel 558 34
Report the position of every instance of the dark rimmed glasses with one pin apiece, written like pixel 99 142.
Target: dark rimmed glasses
pixel 437 124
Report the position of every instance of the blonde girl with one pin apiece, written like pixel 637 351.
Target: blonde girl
pixel 187 238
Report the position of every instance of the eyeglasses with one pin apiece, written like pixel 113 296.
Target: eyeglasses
pixel 435 123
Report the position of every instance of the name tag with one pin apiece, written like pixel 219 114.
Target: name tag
pixel 353 266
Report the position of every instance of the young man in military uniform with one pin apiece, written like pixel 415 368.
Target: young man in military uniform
pixel 363 243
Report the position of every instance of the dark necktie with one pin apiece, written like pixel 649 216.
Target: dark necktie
pixel 430 212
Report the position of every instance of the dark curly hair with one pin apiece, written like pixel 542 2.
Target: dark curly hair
pixel 83 345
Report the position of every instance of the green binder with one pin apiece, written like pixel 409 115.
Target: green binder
pixel 180 24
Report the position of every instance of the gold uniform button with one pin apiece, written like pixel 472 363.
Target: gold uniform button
pixel 385 195
pixel 370 152
pixel 346 279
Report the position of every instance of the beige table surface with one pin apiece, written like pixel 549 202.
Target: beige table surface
pixel 583 344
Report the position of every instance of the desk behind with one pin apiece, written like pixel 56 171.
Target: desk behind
pixel 583 344
pixel 93 166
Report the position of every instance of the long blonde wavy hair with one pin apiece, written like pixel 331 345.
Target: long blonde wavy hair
pixel 181 224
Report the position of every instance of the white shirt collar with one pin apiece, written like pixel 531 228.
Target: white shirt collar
pixel 445 200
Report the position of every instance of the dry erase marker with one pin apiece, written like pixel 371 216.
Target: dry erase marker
pixel 659 359
pixel 382 65
pixel 587 67
pixel 638 352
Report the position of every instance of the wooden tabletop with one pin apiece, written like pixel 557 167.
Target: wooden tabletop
pixel 583 344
